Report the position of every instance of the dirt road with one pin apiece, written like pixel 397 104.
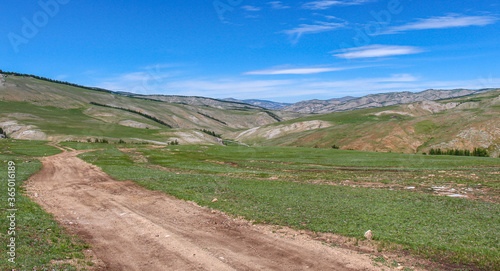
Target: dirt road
pixel 131 228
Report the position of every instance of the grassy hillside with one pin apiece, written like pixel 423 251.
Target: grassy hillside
pixel 39 109
pixel 68 112
pixel 462 123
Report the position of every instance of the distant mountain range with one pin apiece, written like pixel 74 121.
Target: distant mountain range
pixel 349 103
pixel 315 106
pixel 262 103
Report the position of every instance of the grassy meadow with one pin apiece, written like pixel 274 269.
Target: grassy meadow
pixel 400 197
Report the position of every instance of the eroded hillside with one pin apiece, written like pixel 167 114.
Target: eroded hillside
pixel 461 123
pixel 56 111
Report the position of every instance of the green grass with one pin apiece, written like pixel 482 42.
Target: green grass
pixel 446 229
pixel 39 239
pixel 59 121
pixel 425 127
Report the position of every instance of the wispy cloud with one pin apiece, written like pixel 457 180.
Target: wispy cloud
pixel 225 87
pixel 449 21
pixel 159 66
pixel 318 27
pixel 143 81
pixel 377 50
pixel 329 17
pixel 285 90
pixel 375 85
pixel 298 71
pixel 277 5
pixel 326 4
pixel 61 77
pixel 250 8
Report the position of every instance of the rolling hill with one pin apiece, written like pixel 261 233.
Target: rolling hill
pixel 38 109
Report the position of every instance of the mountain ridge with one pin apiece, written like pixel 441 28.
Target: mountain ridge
pixel 377 100
pixel 262 103
pixel 313 106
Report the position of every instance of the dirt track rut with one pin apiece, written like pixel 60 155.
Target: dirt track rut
pixel 132 228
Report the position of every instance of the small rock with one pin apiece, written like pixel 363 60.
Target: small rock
pixel 215 200
pixel 369 235
pixel 457 196
pixel 401 267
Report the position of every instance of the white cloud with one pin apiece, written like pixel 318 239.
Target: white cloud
pixel 159 66
pixel 329 17
pixel 326 4
pixel 377 50
pixel 319 27
pixel 449 21
pixel 298 71
pixel 277 5
pixel 61 77
pixel 143 81
pixel 250 8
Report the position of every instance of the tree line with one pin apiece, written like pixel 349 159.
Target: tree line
pixel 212 133
pixel 155 119
pixel 481 152
pixel 55 81
pixel 210 117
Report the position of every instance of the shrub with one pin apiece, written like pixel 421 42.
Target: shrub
pixel 212 133
pixel 175 142
pixel 480 152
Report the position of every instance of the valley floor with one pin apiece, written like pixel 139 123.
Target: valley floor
pixel 132 228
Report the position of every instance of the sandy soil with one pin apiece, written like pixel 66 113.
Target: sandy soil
pixel 132 228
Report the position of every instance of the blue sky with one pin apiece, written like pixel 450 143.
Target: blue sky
pixel 278 50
